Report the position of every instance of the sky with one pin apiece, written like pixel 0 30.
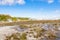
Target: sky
pixel 38 9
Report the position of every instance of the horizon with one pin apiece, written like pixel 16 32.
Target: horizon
pixel 37 9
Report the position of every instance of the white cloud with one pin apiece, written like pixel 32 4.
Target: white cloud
pixel 11 2
pixel 21 2
pixel 37 0
pixel 50 1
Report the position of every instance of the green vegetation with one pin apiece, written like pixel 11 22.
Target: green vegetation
pixel 8 17
pixel 14 19
pixel 23 36
pixel 16 36
pixel 23 26
pixel 4 17
pixel 23 18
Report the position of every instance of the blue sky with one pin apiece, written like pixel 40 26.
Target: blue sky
pixel 39 9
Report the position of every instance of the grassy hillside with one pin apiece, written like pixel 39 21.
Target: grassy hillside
pixel 7 18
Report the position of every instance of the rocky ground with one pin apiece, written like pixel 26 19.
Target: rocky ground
pixel 40 31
